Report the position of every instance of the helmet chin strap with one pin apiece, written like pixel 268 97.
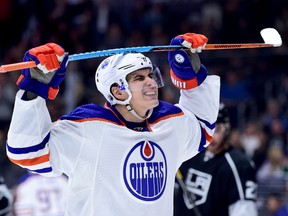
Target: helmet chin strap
pixel 131 110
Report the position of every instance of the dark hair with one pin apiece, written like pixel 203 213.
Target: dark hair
pixel 223 115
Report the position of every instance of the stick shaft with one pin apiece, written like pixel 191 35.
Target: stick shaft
pixel 190 196
pixel 236 46
pixel 109 52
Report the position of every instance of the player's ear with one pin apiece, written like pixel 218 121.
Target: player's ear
pixel 117 93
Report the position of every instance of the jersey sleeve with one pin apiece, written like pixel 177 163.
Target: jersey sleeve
pixel 243 208
pixel 242 184
pixel 201 106
pixel 32 135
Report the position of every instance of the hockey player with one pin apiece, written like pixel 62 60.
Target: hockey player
pixel 219 181
pixel 121 158
pixel 37 195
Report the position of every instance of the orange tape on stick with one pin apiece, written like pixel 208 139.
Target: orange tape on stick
pixel 17 66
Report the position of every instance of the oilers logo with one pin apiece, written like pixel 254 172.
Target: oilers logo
pixel 145 171
pixel 105 63
pixel 179 58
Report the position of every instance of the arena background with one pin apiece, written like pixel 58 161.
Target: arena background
pixel 254 82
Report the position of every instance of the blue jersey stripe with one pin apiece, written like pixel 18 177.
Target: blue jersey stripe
pixel 91 111
pixel 210 126
pixel 95 112
pixel 43 170
pixel 202 141
pixel 29 149
pixel 163 110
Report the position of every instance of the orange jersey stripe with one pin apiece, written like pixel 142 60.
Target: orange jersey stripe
pixel 209 138
pixel 32 161
pixel 167 117
pixel 93 119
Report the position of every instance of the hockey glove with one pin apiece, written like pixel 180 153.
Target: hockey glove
pixel 187 72
pixel 44 80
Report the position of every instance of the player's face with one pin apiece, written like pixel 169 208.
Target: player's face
pixel 217 145
pixel 144 90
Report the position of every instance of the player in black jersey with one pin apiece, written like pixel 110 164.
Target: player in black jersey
pixel 220 180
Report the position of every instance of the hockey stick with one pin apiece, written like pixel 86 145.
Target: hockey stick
pixel 190 196
pixel 270 36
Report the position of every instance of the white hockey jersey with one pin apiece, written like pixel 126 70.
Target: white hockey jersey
pixel 37 195
pixel 115 167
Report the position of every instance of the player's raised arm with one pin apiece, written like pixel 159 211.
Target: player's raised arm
pixel 200 92
pixel 29 132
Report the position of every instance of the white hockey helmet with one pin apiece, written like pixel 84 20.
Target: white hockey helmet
pixel 114 69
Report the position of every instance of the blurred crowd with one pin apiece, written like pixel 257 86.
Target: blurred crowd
pixel 254 82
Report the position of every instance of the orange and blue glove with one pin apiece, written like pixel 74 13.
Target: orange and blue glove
pixel 44 80
pixel 182 73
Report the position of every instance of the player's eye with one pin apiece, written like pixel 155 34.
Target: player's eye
pixel 139 78
pixel 151 75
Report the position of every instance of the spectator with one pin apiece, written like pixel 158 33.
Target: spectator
pixel 272 170
pixel 271 175
pixel 250 139
pixel 276 205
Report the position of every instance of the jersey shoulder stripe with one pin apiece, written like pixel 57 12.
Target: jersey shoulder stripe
pixel 208 125
pixel 94 112
pixel 164 111
pixel 90 112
